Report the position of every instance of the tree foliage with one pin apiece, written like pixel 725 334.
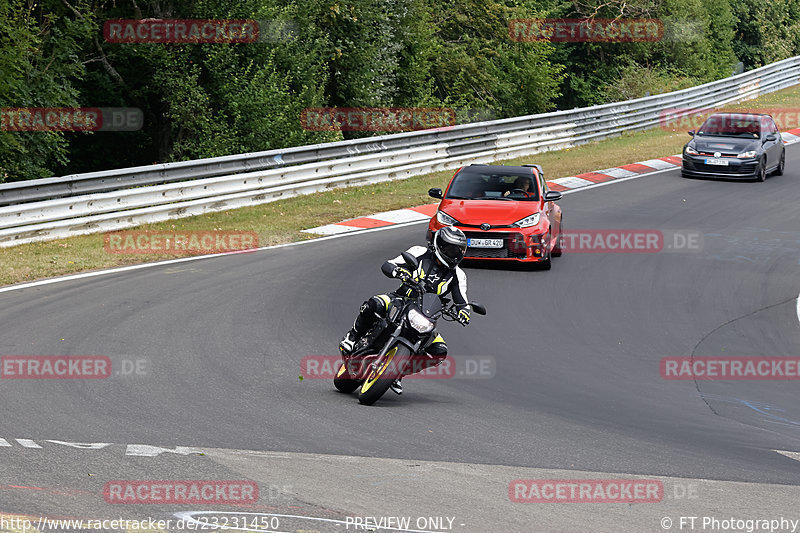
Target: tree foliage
pixel 205 100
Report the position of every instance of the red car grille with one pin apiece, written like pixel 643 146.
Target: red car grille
pixel 492 253
pixel 487 253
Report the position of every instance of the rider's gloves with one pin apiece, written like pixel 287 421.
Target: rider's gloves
pixel 463 317
pixel 401 273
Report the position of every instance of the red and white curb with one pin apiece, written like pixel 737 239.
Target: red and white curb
pixel 791 136
pixel 424 212
pixel 610 174
pixel 387 218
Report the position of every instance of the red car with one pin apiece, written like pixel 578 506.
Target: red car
pixel 507 213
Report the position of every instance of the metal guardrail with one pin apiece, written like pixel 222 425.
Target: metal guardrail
pixel 54 208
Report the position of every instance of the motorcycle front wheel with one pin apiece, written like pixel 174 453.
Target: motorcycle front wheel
pixel 380 379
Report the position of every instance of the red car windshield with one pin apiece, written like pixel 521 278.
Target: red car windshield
pixel 473 184
pixel 742 126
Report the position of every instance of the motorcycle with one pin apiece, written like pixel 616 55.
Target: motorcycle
pixel 394 346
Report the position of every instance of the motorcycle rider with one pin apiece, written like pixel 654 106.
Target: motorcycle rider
pixel 438 267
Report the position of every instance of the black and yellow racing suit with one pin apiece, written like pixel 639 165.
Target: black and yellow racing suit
pixel 439 279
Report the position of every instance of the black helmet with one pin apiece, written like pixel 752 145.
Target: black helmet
pixel 449 246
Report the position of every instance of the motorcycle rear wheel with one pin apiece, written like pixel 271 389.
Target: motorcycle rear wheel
pixel 343 382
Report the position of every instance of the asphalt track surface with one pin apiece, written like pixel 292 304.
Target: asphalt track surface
pixel 576 390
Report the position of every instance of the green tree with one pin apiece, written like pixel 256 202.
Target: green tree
pixel 767 31
pixel 478 65
pixel 39 58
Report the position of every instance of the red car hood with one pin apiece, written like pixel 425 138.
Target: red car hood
pixel 494 212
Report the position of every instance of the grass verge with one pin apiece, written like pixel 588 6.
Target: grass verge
pixel 283 221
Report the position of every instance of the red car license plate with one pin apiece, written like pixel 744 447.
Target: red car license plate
pixel 485 243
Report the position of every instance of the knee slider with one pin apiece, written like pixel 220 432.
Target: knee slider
pixel 437 349
pixel 375 305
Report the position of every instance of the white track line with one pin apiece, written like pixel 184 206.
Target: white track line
pixel 331 229
pixel 193 258
pixel 655 163
pixel 619 180
pixel 116 270
pixel 400 215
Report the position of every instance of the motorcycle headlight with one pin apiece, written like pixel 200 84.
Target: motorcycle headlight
pixel 445 219
pixel 747 155
pixel 419 321
pixel 691 151
pixel 528 221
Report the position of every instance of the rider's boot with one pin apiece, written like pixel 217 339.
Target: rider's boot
pixel 362 324
pixel 397 387
pixel 429 361
pixel 347 344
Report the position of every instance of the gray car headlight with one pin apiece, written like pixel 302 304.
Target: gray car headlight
pixel 691 151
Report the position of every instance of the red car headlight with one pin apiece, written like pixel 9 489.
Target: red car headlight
pixel 528 221
pixel 444 218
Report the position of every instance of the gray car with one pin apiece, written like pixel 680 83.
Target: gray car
pixel 734 145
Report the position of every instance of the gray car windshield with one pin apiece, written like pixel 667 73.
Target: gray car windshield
pixel 733 125
pixel 472 184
